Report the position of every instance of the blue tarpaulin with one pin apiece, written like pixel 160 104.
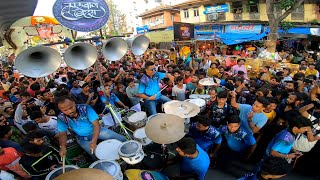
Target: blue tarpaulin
pixel 233 38
pixel 295 30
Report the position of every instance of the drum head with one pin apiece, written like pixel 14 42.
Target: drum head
pixel 194 96
pixel 110 167
pixel 57 172
pixel 198 102
pixel 108 150
pixel 138 116
pixel 204 96
pixel 140 133
pixel 129 148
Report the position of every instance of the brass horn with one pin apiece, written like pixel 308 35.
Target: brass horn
pixel 38 61
pixel 114 49
pixel 139 44
pixel 80 56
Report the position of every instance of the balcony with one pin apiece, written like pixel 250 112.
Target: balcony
pixel 237 16
pixel 254 16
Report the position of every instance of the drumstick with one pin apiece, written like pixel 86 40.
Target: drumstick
pixel 91 150
pixel 63 164
pixel 160 91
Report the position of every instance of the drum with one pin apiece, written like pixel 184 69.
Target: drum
pixel 201 103
pixel 206 97
pixel 58 171
pixel 194 96
pixel 140 135
pixel 108 150
pixel 110 167
pixel 137 120
pixel 131 152
pixel 76 155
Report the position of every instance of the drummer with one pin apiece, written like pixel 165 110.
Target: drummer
pixel 83 121
pixel 149 88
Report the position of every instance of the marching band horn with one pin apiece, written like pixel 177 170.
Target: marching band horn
pixel 80 56
pixel 114 49
pixel 38 61
pixel 139 44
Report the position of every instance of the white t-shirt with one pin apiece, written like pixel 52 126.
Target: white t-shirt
pixel 51 125
pixel 180 94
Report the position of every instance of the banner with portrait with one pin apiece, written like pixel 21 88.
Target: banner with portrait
pixel 183 31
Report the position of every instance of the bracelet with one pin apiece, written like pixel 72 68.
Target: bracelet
pixel 309 132
pixel 286 156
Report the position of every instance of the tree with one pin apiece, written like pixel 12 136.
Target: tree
pixel 274 22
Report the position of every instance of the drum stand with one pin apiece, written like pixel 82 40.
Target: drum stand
pixel 115 117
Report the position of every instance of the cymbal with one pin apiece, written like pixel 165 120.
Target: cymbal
pixel 165 128
pixel 85 174
pixel 209 81
pixel 182 109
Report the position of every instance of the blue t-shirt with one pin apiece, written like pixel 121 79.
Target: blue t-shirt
pixel 238 141
pixel 150 86
pixel 82 126
pixel 282 143
pixel 249 176
pixel 207 138
pixel 198 165
pixel 258 119
pixel 113 99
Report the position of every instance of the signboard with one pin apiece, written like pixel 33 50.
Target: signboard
pixel 207 29
pixel 243 28
pixel 142 29
pixel 216 9
pixel 160 36
pixel 81 15
pixel 183 31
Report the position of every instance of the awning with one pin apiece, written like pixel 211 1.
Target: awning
pixel 233 38
pixel 296 30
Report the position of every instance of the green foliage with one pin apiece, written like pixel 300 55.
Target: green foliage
pixel 286 25
pixel 286 4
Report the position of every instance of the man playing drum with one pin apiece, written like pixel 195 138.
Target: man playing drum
pixel 149 88
pixel 83 121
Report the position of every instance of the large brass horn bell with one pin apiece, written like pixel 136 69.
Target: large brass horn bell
pixel 80 56
pixel 38 61
pixel 114 49
pixel 139 44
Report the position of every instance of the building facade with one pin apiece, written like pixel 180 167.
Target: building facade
pixel 217 11
pixel 160 17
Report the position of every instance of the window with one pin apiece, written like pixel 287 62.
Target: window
pixel 253 6
pixel 150 20
pixel 196 12
pixel 156 18
pixel 237 7
pixel 298 14
pixel 186 13
pixel 172 17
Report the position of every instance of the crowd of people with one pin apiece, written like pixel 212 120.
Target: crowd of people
pixel 271 120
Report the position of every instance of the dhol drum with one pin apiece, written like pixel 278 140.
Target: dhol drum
pixel 110 167
pixel 206 97
pixel 108 150
pixel 194 96
pixel 137 120
pixel 201 103
pixel 76 155
pixel 140 135
pixel 58 171
pixel 131 152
